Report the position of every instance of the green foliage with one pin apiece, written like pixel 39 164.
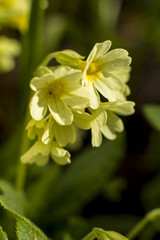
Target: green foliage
pixel 78 185
pixel 26 231
pixel 3 235
pixel 14 202
pixel 58 198
pixel 11 200
pixel 152 113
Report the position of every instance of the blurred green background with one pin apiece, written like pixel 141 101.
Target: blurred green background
pixel 115 185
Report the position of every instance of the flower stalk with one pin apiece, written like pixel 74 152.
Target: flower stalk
pixel 150 217
pixel 33 44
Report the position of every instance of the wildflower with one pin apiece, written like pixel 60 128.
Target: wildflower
pixel 59 91
pixel 9 48
pixel 82 119
pixel 39 153
pixel 67 99
pixel 35 128
pixel 106 122
pixel 103 72
pixel 63 135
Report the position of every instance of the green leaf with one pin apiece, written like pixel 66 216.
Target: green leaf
pixel 25 231
pixel 14 202
pixel 152 114
pixel 43 185
pixel 3 235
pixel 11 200
pixel 85 177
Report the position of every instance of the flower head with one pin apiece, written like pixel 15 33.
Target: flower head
pixel 105 72
pixel 58 91
pixel 39 153
pixel 67 98
pixel 106 122
pixel 102 73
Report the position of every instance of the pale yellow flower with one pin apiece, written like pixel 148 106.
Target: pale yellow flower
pixel 82 119
pixel 104 71
pixel 58 91
pixel 9 49
pixel 62 134
pixel 39 153
pixel 36 128
pixel 106 122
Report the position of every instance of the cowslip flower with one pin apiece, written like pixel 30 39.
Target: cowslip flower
pixel 48 129
pixel 39 153
pixel 62 134
pixel 36 128
pixel 105 72
pixel 106 122
pixel 101 73
pixel 9 49
pixel 58 91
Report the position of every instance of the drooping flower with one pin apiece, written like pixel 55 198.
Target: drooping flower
pixel 39 153
pixel 58 91
pixel 62 134
pixel 36 128
pixel 9 49
pixel 106 122
pixel 46 145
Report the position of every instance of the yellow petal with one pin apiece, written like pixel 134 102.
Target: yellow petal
pixel 38 107
pixel 96 135
pixel 60 112
pixel 64 134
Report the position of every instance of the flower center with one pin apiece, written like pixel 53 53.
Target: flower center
pixel 56 90
pixel 94 67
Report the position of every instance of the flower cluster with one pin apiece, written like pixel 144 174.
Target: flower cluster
pixel 78 93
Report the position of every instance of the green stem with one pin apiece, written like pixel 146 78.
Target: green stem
pixel 137 229
pixel 151 216
pixel 22 168
pixel 89 236
pixel 46 60
pixel 33 45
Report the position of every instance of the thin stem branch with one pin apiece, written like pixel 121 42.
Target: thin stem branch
pixel 31 59
pixel 151 216
pixel 89 236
